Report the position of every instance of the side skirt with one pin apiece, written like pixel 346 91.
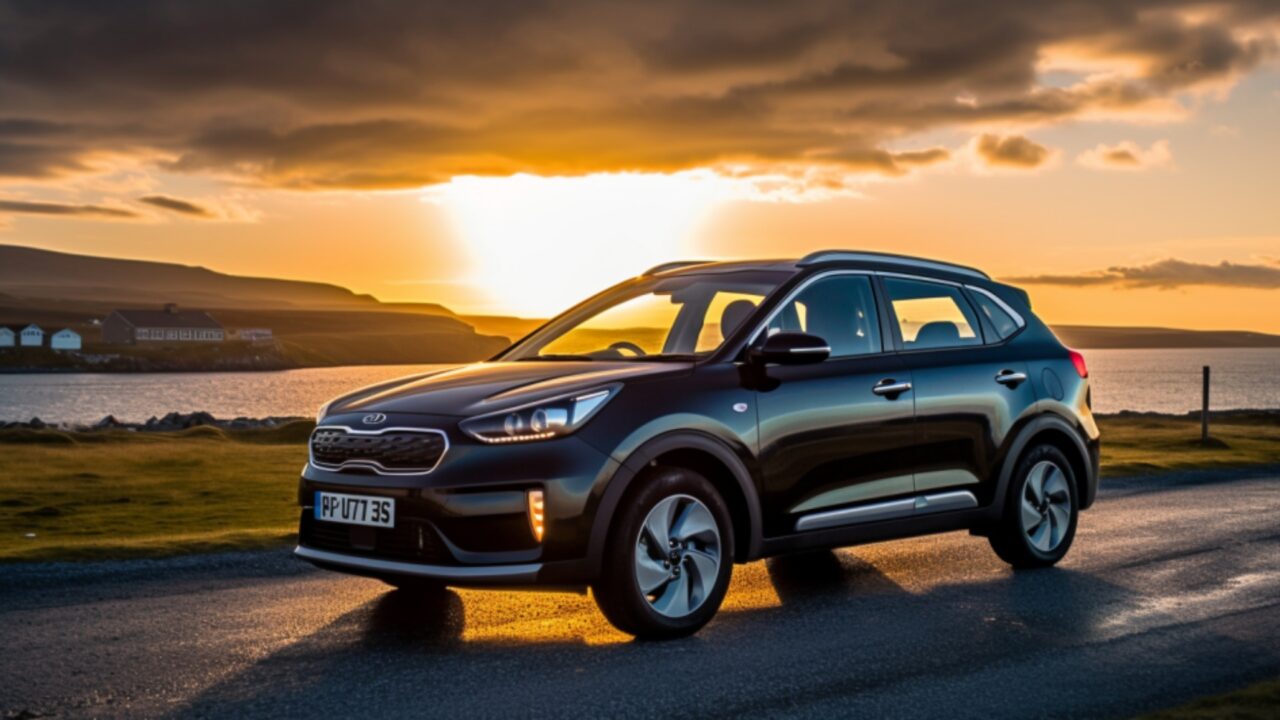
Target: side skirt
pixel 868 532
pixel 890 510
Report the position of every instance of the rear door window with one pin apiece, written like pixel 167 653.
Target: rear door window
pixel 931 315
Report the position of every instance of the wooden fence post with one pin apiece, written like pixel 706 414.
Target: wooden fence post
pixel 1204 409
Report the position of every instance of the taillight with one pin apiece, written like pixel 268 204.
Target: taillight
pixel 1078 361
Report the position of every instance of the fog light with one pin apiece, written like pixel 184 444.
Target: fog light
pixel 536 515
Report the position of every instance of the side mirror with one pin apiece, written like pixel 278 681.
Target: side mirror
pixel 790 348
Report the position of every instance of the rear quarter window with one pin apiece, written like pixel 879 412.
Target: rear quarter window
pixel 997 318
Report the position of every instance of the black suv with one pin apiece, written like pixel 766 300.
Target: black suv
pixel 711 413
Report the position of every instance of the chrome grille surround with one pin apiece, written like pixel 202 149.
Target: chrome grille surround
pixel 385 451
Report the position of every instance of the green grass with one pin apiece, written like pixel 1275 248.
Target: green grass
pixel 1146 445
pixel 1256 702
pixel 121 494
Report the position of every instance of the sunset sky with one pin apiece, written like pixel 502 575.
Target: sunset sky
pixel 1118 159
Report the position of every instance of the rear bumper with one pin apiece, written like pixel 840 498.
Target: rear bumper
pixel 1095 469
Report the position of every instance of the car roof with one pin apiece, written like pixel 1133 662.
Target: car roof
pixel 826 258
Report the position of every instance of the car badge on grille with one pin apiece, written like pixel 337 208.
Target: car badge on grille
pixel 374 419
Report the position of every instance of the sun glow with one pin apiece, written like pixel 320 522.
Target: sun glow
pixel 537 245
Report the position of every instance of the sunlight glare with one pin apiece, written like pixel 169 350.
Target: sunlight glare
pixel 537 245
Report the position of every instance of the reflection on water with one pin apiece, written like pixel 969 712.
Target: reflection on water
pixel 134 397
pixel 1153 380
pixel 1169 380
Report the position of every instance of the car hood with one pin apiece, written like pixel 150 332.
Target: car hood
pixel 493 386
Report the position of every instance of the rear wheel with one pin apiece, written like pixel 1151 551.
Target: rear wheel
pixel 669 557
pixel 1040 514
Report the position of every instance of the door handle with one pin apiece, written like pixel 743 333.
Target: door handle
pixel 890 388
pixel 1011 378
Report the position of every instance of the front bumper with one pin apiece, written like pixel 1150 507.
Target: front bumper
pixel 523 574
pixel 466 522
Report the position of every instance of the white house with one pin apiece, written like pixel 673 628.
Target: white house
pixel 7 338
pixel 32 336
pixel 254 335
pixel 65 340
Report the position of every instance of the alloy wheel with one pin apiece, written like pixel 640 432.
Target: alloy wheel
pixel 1046 506
pixel 678 555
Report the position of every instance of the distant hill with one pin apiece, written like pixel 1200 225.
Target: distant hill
pixel 42 274
pixel 322 324
pixel 314 324
pixel 1102 337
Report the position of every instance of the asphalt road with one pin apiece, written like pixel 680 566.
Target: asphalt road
pixel 1172 591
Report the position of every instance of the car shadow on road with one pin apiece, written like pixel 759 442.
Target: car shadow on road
pixel 804 577
pixel 413 619
pixel 839 626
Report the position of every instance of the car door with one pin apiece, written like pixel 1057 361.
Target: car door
pixel 836 432
pixel 968 392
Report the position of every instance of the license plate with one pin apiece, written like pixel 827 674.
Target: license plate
pixel 356 509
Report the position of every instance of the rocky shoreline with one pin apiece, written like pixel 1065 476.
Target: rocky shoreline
pixel 169 423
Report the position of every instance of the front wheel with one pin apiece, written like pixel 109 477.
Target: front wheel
pixel 669 557
pixel 1040 513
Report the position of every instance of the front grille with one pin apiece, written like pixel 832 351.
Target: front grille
pixel 410 540
pixel 389 451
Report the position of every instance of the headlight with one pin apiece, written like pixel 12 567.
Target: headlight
pixel 539 421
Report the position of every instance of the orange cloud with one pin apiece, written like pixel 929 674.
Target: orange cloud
pixel 323 95
pixel 1167 274
pixel 1127 155
pixel 1014 151
pixel 27 207
pixel 182 207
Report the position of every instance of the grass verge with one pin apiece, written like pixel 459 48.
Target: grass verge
pixel 1144 445
pixel 1256 702
pixel 83 496
pixel 116 494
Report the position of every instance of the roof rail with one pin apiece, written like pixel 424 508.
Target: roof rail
pixel 830 256
pixel 667 267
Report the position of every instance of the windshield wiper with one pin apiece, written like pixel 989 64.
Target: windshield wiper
pixel 560 358
pixel 659 357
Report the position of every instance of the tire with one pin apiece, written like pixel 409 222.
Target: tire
pixel 685 502
pixel 1040 512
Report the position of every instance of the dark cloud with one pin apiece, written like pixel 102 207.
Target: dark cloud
pixel 1013 151
pixel 325 94
pixel 25 207
pixel 183 207
pixel 36 148
pixel 885 162
pixel 1169 274
pixel 39 160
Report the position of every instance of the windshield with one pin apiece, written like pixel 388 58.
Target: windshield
pixel 679 317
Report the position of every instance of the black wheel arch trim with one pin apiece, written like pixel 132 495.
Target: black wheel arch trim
pixel 651 449
pixel 1022 440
